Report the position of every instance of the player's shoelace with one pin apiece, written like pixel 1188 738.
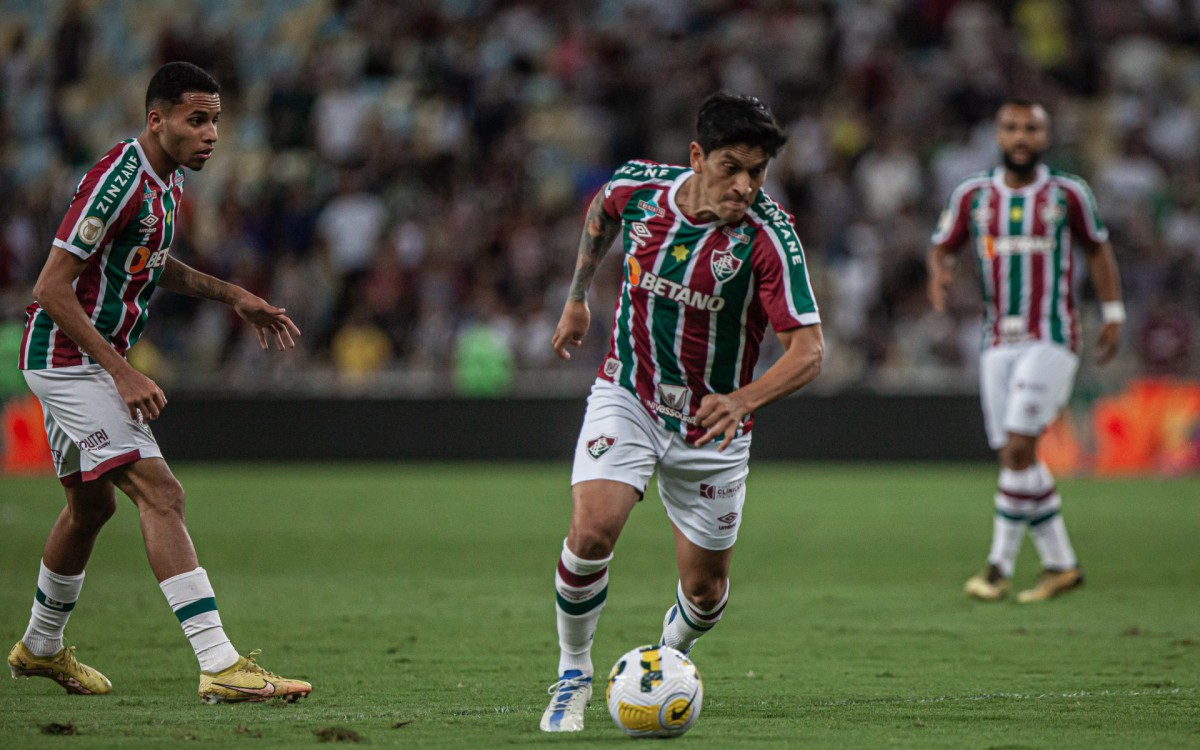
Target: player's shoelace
pixel 71 664
pixel 569 686
pixel 253 666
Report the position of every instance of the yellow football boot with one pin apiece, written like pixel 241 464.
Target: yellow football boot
pixel 988 586
pixel 62 667
pixel 246 681
pixel 1051 583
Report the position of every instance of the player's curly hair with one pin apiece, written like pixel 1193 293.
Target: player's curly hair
pixel 174 79
pixel 727 119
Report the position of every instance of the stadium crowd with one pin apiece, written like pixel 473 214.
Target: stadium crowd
pixel 408 179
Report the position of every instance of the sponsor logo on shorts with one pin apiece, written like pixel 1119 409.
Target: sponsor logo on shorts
pixel 721 492
pixel 612 368
pixel 90 229
pixel 597 447
pixel 728 521
pixel 94 442
pixel 57 457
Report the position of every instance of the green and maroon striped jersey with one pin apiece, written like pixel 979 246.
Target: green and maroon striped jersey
pixel 696 298
pixel 1023 239
pixel 121 221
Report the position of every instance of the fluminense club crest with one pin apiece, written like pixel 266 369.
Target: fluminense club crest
pixel 724 265
pixel 598 446
pixel 674 396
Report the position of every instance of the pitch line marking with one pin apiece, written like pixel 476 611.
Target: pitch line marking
pixel 1010 697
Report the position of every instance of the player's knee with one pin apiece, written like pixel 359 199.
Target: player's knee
pixel 706 593
pixel 1018 454
pixel 93 514
pixel 590 543
pixel 165 498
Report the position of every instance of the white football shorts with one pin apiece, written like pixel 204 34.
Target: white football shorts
pixel 703 490
pixel 1023 386
pixel 87 423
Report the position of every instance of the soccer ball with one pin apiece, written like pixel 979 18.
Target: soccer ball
pixel 654 691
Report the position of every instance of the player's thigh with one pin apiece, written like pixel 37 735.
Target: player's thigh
pixel 615 455
pixel 618 440
pixel 704 490
pixel 995 376
pixel 84 405
pixel 1040 386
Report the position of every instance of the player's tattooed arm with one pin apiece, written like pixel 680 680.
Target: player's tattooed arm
pixel 599 231
pixel 182 278
pixel 269 321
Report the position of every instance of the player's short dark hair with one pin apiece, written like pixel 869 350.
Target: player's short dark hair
pixel 175 79
pixel 730 119
pixel 1016 100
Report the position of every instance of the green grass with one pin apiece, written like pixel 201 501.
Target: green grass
pixel 423 594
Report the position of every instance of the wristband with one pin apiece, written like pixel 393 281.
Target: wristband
pixel 1112 312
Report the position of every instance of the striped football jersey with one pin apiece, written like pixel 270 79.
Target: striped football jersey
pixel 121 221
pixel 695 299
pixel 1023 240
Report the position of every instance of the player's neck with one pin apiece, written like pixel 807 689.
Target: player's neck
pixel 162 164
pixel 1018 180
pixel 689 201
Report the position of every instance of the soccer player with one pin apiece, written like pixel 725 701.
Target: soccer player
pixel 1023 221
pixel 709 259
pixel 110 252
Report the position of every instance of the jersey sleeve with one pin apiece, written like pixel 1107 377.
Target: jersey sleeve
pixel 952 229
pixel 97 208
pixel 1082 214
pixel 784 288
pixel 625 180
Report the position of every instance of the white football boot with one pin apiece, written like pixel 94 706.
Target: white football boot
pixel 570 696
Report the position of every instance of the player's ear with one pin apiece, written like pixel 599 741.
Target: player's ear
pixel 155 119
pixel 696 156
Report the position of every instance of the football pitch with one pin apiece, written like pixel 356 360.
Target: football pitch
pixel 418 599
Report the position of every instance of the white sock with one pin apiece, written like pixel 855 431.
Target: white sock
pixel 52 604
pixel 1053 544
pixel 1046 525
pixel 690 622
pixel 581 587
pixel 1018 492
pixel 195 605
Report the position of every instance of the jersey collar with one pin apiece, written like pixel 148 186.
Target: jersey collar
pixel 149 169
pixel 1043 174
pixel 678 183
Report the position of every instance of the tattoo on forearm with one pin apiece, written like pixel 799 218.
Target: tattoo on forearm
pixel 181 278
pixel 599 231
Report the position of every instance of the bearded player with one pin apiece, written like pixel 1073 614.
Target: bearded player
pixel 709 260
pixel 1023 221
pixel 110 252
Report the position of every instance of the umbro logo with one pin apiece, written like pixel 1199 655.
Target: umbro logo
pixel 150 220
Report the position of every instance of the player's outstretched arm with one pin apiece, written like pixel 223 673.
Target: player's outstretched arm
pixel 939 262
pixel 265 317
pixel 803 351
pixel 56 295
pixel 599 231
pixel 1102 267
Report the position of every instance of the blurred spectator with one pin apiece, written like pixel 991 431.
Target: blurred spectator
pixel 408 178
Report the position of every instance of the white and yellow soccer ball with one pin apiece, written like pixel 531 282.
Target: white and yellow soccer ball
pixel 654 691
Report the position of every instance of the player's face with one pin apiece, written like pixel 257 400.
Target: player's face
pixel 1023 133
pixel 730 178
pixel 187 131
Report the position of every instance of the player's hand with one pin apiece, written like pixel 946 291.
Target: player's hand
pixel 720 413
pixel 939 279
pixel 267 319
pixel 142 396
pixel 1108 342
pixel 574 323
